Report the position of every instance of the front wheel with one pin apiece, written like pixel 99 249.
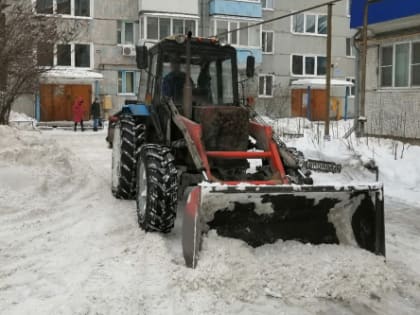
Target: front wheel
pixel 127 137
pixel 156 193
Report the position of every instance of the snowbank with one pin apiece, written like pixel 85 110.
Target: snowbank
pixel 399 163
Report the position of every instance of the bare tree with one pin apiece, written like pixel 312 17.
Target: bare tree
pixel 26 41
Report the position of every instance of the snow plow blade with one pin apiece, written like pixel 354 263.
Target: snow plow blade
pixel 262 214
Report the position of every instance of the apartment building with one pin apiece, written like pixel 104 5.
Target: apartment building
pixel 100 62
pixel 292 74
pixel 393 67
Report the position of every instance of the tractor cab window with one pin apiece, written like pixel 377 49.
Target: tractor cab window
pixel 211 80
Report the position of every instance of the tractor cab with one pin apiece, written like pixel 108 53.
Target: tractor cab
pixel 212 72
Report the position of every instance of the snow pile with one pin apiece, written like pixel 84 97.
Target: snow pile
pixel 32 166
pixel 22 121
pixel 19 117
pixel 229 269
pixel 399 165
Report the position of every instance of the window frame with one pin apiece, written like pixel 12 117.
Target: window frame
pixel 304 74
pixel 272 44
pixel 136 79
pixel 72 56
pixel 265 75
pixel 410 84
pixel 143 25
pixel 123 32
pixel 238 33
pixel 72 10
pixel 305 33
pixel 353 80
pixel 265 8
pixel 349 41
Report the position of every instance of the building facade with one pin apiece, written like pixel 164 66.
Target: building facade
pixel 294 48
pixel 393 67
pixel 100 62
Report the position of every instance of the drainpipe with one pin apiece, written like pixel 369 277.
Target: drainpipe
pixel 346 102
pixel 357 84
pixel 37 107
pixel 308 103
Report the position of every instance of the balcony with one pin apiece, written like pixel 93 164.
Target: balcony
pixel 248 8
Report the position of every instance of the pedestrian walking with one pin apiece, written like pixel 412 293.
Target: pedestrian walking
pixel 78 113
pixel 95 113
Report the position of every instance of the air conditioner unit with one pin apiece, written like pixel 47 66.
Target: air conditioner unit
pixel 128 50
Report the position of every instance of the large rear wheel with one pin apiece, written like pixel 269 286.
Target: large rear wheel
pixel 157 186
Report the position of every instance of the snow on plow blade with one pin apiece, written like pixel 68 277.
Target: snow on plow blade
pixel 261 214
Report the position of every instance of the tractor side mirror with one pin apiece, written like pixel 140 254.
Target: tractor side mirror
pixel 250 66
pixel 142 57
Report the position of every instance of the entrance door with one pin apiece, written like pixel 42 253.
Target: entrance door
pixel 57 101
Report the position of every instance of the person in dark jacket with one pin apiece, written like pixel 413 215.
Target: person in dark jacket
pixel 78 113
pixel 95 113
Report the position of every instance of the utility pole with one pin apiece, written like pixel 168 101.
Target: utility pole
pixel 363 65
pixel 328 78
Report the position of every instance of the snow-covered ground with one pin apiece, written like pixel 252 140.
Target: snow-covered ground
pixel 68 247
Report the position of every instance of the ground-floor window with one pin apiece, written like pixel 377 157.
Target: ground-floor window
pixel 400 65
pixel 127 81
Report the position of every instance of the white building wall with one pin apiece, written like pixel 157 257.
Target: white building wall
pixel 390 111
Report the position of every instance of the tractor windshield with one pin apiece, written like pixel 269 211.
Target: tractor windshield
pixel 211 79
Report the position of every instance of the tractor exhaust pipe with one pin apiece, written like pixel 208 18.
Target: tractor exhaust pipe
pixel 187 104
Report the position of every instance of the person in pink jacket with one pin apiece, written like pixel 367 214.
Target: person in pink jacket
pixel 78 113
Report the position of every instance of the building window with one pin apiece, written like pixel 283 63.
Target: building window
pixel 82 7
pixel 352 89
pixel 45 55
pixel 127 82
pixel 267 4
pixel 125 32
pixel 248 37
pixel 310 24
pixel 65 7
pixel 309 65
pixel 415 64
pixel 349 47
pixel 82 56
pixel 267 42
pixel 44 6
pixel 66 55
pixel 155 28
pixel 400 65
pixel 265 85
pixel 386 66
